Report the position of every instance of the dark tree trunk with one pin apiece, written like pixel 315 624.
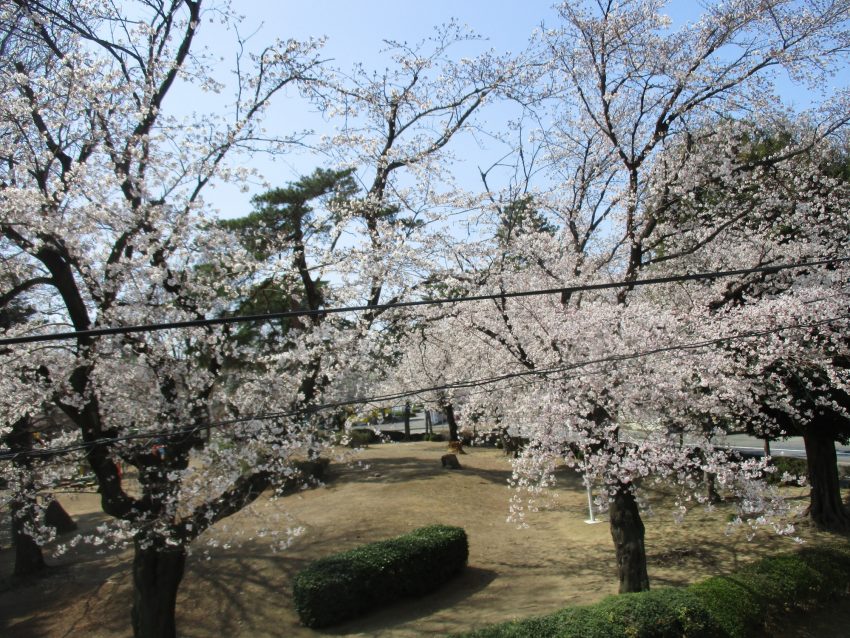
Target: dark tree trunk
pixel 407 421
pixel 825 507
pixel 28 557
pixel 711 488
pixel 628 533
pixel 450 419
pixel 23 506
pixel 157 572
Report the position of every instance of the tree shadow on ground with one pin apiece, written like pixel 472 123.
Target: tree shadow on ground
pixel 70 585
pixel 252 590
pixel 248 588
pixel 404 469
pixel 699 556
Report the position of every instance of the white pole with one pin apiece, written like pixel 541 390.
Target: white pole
pixel 592 520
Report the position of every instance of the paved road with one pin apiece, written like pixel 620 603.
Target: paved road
pixel 792 447
pixel 417 424
pixel 789 447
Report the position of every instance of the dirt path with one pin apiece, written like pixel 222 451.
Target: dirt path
pixel 242 587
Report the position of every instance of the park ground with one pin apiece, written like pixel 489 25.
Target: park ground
pixel 238 584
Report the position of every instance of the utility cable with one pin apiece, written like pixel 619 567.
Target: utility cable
pixel 378 399
pixel 289 314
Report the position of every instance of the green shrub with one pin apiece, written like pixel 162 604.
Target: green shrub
pixel 789 464
pixel 549 626
pixel 833 562
pixel 732 603
pixel 349 584
pixel 783 581
pixel 733 606
pixel 360 437
pixel 661 613
pixel 741 603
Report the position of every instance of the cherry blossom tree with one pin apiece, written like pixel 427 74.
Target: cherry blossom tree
pixel 637 83
pixel 395 130
pixel 627 96
pixel 795 199
pixel 427 365
pixel 100 219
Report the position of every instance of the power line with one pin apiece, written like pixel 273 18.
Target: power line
pixel 290 314
pixel 457 385
pixel 696 345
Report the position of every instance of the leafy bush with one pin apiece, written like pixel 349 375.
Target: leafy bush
pixel 833 562
pixel 358 438
pixel 661 613
pixel 741 603
pixel 346 585
pixel 733 606
pixel 789 464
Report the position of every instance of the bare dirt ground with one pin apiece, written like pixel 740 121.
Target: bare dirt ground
pixel 243 587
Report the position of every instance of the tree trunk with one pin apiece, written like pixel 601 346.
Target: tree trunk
pixel 825 507
pixel 628 533
pixel 711 488
pixel 23 507
pixel 450 418
pixel 28 557
pixel 157 572
pixel 407 421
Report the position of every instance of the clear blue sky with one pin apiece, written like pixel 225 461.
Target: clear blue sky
pixel 355 32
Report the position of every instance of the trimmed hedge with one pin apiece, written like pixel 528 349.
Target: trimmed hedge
pixel 735 606
pixel 660 613
pixel 351 583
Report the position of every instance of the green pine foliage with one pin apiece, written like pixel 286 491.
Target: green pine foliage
pixel 284 215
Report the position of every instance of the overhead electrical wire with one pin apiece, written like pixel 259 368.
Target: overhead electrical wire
pixel 289 314
pixel 378 399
